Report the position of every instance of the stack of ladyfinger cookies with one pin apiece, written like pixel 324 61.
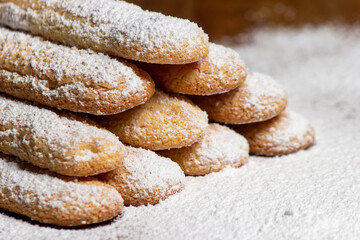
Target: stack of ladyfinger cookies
pixel 80 118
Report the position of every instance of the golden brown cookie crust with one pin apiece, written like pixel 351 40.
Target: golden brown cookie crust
pixel 287 133
pixel 64 142
pixel 113 27
pixel 68 78
pixel 165 121
pixel 259 98
pixel 145 178
pixel 53 199
pixel 219 148
pixel 220 71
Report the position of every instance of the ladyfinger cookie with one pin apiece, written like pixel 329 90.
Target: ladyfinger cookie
pixel 259 98
pixel 78 80
pixel 220 71
pixel 113 27
pixel 145 177
pixel 286 133
pixel 165 121
pixel 63 142
pixel 53 199
pixel 219 148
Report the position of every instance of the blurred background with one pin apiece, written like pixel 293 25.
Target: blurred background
pixel 227 18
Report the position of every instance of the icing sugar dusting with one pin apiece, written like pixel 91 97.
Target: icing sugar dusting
pixel 152 29
pixel 291 132
pixel 312 194
pixel 262 90
pixel 109 21
pixel 219 148
pixel 60 63
pixel 220 55
pixel 43 133
pixel 150 172
pixel 228 63
pixel 59 71
pixel 222 146
pixel 39 190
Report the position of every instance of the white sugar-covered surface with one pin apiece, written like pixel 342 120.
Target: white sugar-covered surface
pixel 147 171
pixel 312 194
pixel 262 90
pixel 219 56
pixel 107 23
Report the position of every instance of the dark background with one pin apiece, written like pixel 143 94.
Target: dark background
pixel 221 18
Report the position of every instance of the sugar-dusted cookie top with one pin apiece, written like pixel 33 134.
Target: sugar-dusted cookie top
pixel 287 133
pixel 69 78
pixel 220 71
pixel 145 177
pixel 165 121
pixel 64 142
pixel 259 98
pixel 114 27
pixel 54 199
pixel 219 148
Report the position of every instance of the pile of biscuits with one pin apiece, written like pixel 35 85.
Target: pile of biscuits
pixel 83 128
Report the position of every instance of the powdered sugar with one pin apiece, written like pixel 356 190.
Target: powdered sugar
pixel 40 191
pixel 220 56
pixel 109 24
pixel 221 146
pixel 292 131
pixel 61 72
pixel 286 133
pixel 262 91
pixel 150 172
pixel 312 194
pixel 31 130
pixel 60 63
pixel 227 67
pixel 259 98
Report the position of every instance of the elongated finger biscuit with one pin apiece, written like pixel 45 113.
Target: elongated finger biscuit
pixel 220 71
pixel 63 142
pixel 286 133
pixel 165 121
pixel 219 148
pixel 259 98
pixel 79 80
pixel 114 27
pixel 53 199
pixel 145 177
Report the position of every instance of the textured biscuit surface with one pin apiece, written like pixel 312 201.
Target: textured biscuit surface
pixel 54 199
pixel 62 77
pixel 286 133
pixel 145 177
pixel 63 142
pixel 259 98
pixel 219 148
pixel 165 121
pixel 220 71
pixel 113 27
